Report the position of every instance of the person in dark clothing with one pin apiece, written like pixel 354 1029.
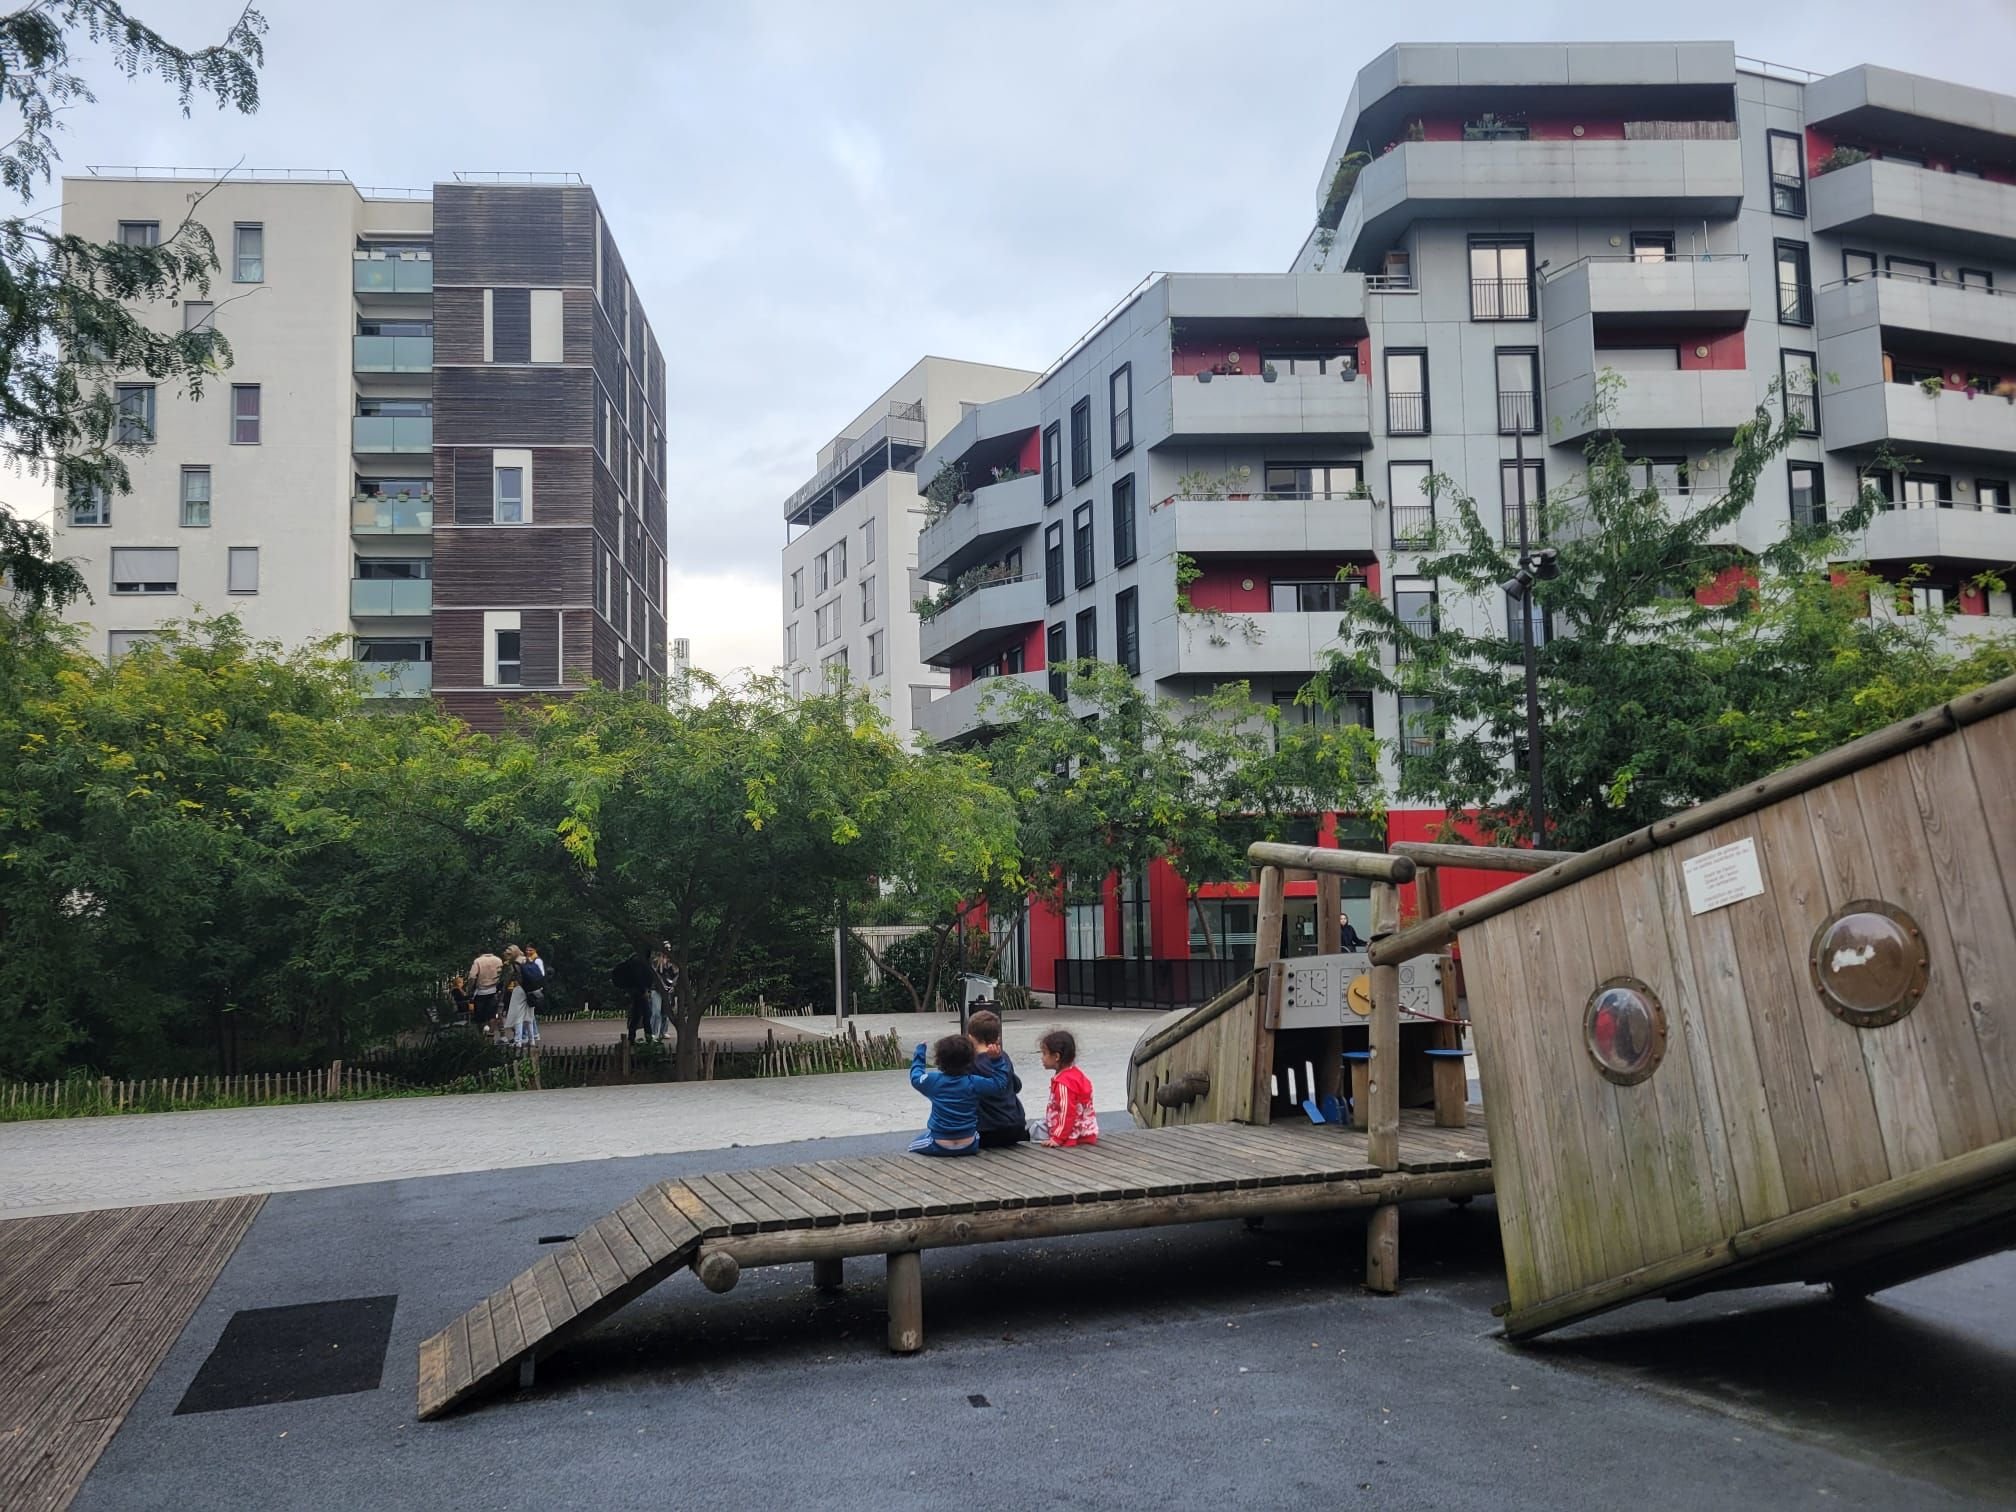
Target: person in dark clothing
pixel 1351 940
pixel 1003 1121
pixel 633 978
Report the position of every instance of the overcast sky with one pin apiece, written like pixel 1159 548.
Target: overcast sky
pixel 810 196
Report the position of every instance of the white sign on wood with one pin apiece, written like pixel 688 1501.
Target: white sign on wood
pixel 1719 877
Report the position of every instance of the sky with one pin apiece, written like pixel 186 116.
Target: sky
pixel 812 194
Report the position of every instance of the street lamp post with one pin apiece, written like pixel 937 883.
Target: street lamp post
pixel 1536 797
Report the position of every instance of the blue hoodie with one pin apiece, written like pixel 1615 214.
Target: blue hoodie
pixel 955 1100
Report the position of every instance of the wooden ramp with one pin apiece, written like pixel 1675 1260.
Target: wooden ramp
pixel 898 1204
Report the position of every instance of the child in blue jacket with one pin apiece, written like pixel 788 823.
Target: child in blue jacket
pixel 955 1089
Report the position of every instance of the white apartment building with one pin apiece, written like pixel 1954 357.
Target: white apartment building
pixel 850 554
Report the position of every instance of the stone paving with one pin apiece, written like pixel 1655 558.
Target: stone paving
pixel 75 1164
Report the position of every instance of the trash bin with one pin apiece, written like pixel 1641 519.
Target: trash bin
pixel 979 994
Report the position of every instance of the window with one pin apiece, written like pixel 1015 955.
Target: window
pixel 1991 495
pixel 547 337
pixel 1053 562
pixel 244 414
pixel 821 573
pixel 867 543
pixel 1081 441
pixel 145 569
pixel 248 254
pixel 242 569
pixel 195 496
pixel 875 654
pixel 1310 595
pixel 1978 280
pixel 1795 284
pixel 1313 480
pixel 1088 634
pixel 1123 520
pixel 89 505
pixel 139 233
pixel 1053 476
pixel 1406 392
pixel 1666 475
pixel 1809 495
pixel 1518 391
pixel 1416 610
pixel 1788 173
pixel 790 642
pixel 1799 387
pixel 1127 630
pixel 1120 395
pixel 1652 246
pixel 798 588
pixel 510 657
pixel 136 414
pixel 838 551
pixel 1925 491
pixel 1501 278
pixel 1308 364
pixel 1417 727
pixel 1412 503
pixel 1056 654
pixel 826 623
pixel 196 314
pixel 1509 480
pixel 868 599
pixel 1081 546
pixel 119 642
pixel 508 495
pixel 394 569
pixel 1915 269
pixel 1524 616
pixel 1857 265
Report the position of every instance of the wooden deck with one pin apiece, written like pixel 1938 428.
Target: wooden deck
pixel 92 1303
pixel 898 1204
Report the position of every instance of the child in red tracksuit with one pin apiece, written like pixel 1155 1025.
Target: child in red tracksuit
pixel 1069 1120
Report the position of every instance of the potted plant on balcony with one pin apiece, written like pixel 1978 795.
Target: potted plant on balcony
pixel 1932 385
pixel 1840 157
pixel 2006 389
pixel 1268 372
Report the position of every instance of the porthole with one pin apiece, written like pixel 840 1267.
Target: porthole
pixel 1869 963
pixel 1624 1029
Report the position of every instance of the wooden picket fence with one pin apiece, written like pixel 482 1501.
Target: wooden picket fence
pixel 159 1094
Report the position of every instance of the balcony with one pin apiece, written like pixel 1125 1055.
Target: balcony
pixel 979 616
pixel 1695 402
pixel 396 679
pixel 979 527
pixel 1926 531
pixel 387 434
pixel 400 515
pixel 1267 524
pixel 1231 645
pixel 392 354
pixel 1678 291
pixel 1951 421
pixel 1679 179
pixel 965 710
pixel 392 275
pixel 1898 302
pixel 1241 407
pixel 389 598
pixel 1884 201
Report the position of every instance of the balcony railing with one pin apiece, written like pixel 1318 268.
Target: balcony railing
pixel 392 354
pixel 1972 506
pixel 1122 982
pixel 1795 306
pixel 1536 523
pixel 1501 299
pixel 1412 524
pixel 392 433
pixel 1390 283
pixel 965 586
pixel 1518 412
pixel 375 597
pixel 376 514
pixel 372 274
pixel 396 679
pixel 1406 414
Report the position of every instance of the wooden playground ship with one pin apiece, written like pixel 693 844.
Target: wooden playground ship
pixel 1772 1038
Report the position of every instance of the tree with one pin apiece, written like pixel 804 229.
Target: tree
pixel 1118 778
pixel 1677 666
pixel 67 305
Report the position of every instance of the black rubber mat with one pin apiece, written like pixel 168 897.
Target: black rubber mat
pixel 293 1354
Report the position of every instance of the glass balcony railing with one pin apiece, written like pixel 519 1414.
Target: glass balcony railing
pixel 392 354
pixel 371 597
pixel 376 514
pixel 396 679
pixel 392 433
pixel 393 275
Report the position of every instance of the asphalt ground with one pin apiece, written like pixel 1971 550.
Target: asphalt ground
pixel 1203 1366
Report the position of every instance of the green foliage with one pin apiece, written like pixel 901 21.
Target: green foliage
pixel 1343 179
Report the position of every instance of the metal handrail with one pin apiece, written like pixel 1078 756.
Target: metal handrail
pixel 1973 506
pixel 361 255
pixel 156 170
pixel 884 429
pixel 1904 276
pixel 1784 70
pixel 508 176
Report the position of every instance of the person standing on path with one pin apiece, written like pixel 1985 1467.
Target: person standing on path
pixel 484 973
pixel 521 1023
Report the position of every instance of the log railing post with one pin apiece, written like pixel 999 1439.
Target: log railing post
pixel 1329 942
pixel 1382 1232
pixel 1266 951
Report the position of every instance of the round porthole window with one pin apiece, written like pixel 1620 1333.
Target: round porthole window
pixel 1624 1028
pixel 1869 963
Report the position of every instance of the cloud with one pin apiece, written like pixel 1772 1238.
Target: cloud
pixel 732 616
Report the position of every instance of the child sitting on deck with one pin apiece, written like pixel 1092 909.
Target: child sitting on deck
pixel 1069 1119
pixel 1003 1120
pixel 955 1089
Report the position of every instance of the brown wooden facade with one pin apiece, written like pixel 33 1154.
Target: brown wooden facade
pixel 587 573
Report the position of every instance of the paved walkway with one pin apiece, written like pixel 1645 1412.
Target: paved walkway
pixel 75 1164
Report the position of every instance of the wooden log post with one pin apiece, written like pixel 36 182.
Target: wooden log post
pixel 1329 941
pixel 1382 1097
pixel 828 1273
pixel 905 1287
pixel 1382 1250
pixel 1266 951
pixel 718 1270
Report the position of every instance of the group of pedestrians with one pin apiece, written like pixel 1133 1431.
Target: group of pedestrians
pixel 647 981
pixel 975 1093
pixel 514 983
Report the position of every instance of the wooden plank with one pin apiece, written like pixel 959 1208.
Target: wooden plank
pixel 507 1325
pixel 691 1206
pixel 591 1253
pixel 625 1251
pixel 678 1229
pixel 754 1199
pixel 788 1184
pixel 533 1318
pixel 723 1204
pixel 1377 866
pixel 919 1174
pixel 554 1294
pixel 460 1375
pixel 643 1229
pixel 907 1204
pixel 482 1341
pixel 853 1205
pixel 879 1203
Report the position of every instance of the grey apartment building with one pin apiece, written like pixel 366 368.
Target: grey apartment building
pixel 1529 217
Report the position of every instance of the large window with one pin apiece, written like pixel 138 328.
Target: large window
pixel 1795 284
pixel 1081 546
pixel 868 599
pixel 1053 466
pixel 1081 441
pixel 1652 246
pixel 248 254
pixel 1809 493
pixel 1056 654
pixel 136 414
pixel 1788 173
pixel 1314 480
pixel 1310 595
pixel 1666 475
pixel 1524 617
pixel 1510 477
pixel 1406 392
pixel 1053 562
pixel 139 233
pixel 798 588
pixel 822 573
pixel 1411 502
pixel 1799 387
pixel 1123 520
pixel 1417 727
pixel 1415 607
pixel 875 654
pixel 1088 634
pixel 1127 630
pixel 1518 391
pixel 1857 265
pixel 1120 394
pixel 195 496
pixel 145 569
pixel 1911 269
pixel 244 414
pixel 1501 278
pixel 867 543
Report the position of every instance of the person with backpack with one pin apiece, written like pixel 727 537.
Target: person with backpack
pixel 532 970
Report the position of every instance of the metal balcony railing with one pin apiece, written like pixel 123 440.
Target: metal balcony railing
pixel 1412 524
pixel 1518 412
pixel 1406 414
pixel 1972 506
pixel 1536 523
pixel 1501 299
